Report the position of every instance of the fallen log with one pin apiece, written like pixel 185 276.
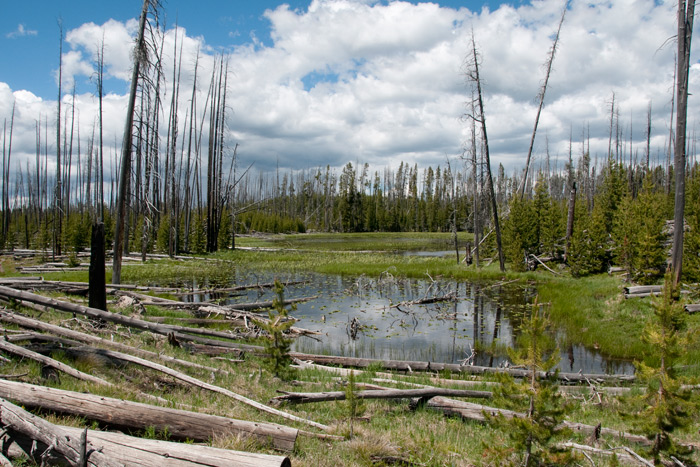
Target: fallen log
pixel 60 444
pixel 423 393
pixel 56 438
pixel 29 323
pixel 180 332
pixel 201 384
pixel 410 366
pixel 21 351
pixel 237 288
pixel 128 451
pixel 477 412
pixel 181 424
pixel 450 297
pixel 692 308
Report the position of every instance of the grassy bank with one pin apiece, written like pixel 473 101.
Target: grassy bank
pixel 591 310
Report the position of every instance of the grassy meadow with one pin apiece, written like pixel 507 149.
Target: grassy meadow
pixel 591 310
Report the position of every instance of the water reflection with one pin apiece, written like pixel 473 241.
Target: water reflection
pixel 384 318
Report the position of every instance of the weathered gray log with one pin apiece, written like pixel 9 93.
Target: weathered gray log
pixel 124 450
pixel 57 438
pixel 692 308
pixel 642 289
pixel 30 323
pixel 477 412
pixel 181 424
pixel 21 351
pixel 454 367
pixel 424 393
pixel 201 384
pixel 180 332
pixel 237 288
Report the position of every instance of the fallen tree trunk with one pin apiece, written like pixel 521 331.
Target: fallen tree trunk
pixel 201 384
pixel 454 367
pixel 25 322
pixel 21 351
pixel 54 437
pixel 424 393
pixel 180 332
pixel 692 308
pixel 477 412
pixel 57 445
pixel 181 424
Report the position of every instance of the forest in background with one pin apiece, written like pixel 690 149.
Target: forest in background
pixel 182 189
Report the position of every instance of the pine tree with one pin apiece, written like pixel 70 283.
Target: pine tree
pixel 276 343
pixel 531 435
pixel 664 407
pixel 650 258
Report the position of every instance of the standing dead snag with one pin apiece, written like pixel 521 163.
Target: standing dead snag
pixel 686 15
pixel 140 58
pixel 543 90
pixel 480 117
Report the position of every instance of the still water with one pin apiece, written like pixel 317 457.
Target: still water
pixel 379 318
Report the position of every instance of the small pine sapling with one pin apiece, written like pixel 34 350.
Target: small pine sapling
pixel 531 435
pixel 277 344
pixel 665 406
pixel 355 406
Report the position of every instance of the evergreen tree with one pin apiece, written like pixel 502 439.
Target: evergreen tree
pixel 276 343
pixel 531 435
pixel 665 406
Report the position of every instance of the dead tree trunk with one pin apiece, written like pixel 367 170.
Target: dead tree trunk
pixel 543 90
pixel 686 15
pixel 473 75
pixel 140 55
pixel 97 295
pixel 181 424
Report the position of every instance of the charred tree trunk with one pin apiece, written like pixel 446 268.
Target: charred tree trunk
pixel 97 295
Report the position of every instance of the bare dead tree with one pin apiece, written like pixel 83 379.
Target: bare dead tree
pixel 140 57
pixel 58 213
pixel 543 91
pixel 686 14
pixel 480 117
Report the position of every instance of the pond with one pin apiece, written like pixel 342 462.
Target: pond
pixel 380 318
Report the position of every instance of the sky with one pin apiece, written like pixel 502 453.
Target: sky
pixel 327 82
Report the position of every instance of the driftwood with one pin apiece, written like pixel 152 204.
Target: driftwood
pixel 25 322
pixel 181 424
pixel 424 393
pixel 692 308
pixel 21 351
pixel 477 412
pixel 454 367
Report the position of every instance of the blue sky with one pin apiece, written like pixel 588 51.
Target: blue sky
pixel 33 51
pixel 326 82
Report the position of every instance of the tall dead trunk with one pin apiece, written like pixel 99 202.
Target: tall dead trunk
pixel 686 14
pixel 543 90
pixel 473 75
pixel 125 171
pixel 58 214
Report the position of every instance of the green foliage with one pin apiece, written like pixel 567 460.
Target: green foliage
pixel 531 436
pixel 198 235
pixel 589 252
pixel 665 406
pixel 355 406
pixel 691 253
pixel 276 343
